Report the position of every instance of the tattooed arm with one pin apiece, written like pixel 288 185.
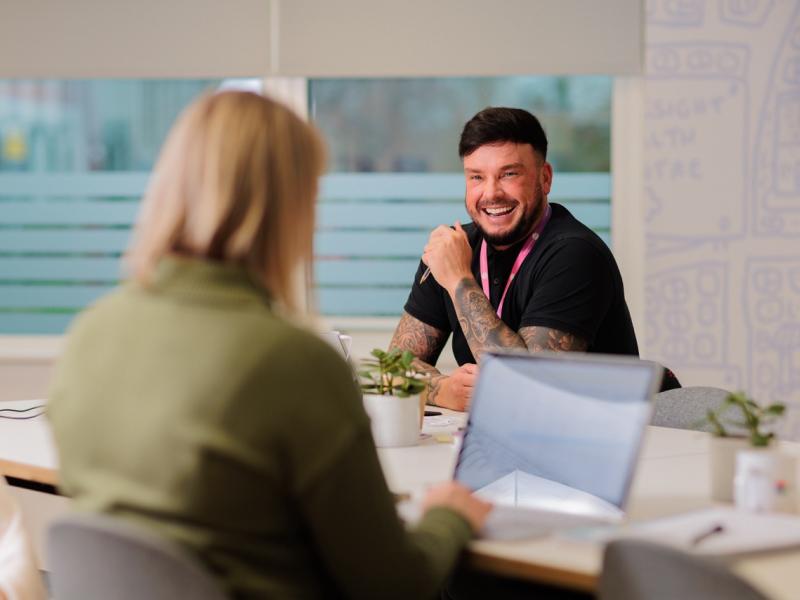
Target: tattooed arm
pixel 485 331
pixel 426 342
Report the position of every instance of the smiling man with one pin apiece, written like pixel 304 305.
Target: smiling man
pixel 525 274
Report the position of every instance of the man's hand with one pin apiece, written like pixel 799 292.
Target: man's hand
pixel 454 391
pixel 448 255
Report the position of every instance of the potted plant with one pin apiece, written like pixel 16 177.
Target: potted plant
pixel 392 390
pixel 739 424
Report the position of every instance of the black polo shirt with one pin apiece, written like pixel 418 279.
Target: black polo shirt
pixel 569 281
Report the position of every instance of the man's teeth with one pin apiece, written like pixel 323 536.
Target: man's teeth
pixel 498 211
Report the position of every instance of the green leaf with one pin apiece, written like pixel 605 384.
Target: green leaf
pixel 760 440
pixel 716 424
pixel 391 373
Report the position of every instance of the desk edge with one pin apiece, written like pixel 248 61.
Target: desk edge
pixel 521 569
pixel 33 473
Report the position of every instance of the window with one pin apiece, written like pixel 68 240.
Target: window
pixel 75 157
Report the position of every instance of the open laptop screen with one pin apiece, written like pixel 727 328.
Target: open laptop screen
pixel 556 432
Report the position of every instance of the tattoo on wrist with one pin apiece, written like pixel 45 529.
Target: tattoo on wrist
pixel 434 388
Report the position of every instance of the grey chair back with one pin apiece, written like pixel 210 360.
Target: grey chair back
pixel 686 407
pixel 642 570
pixel 95 556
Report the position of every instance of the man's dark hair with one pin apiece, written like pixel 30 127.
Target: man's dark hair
pixel 499 124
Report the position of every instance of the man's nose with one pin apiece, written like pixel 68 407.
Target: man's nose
pixel 492 189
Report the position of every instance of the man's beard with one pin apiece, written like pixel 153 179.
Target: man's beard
pixel 521 230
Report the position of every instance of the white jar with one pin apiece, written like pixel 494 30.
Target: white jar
pixel 765 480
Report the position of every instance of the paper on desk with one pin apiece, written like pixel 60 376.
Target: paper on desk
pixel 742 531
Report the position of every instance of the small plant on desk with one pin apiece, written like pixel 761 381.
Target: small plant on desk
pixel 392 390
pixel 738 423
pixel 391 374
pixel 754 419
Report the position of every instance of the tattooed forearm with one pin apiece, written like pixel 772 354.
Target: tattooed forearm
pixel 424 341
pixel 479 322
pixel 544 338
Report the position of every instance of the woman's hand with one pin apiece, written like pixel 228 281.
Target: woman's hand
pixel 456 497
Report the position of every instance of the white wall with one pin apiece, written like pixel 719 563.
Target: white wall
pixel 721 169
pixel 26 365
pixel 353 38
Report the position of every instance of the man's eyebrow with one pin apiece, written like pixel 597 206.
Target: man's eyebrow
pixel 516 165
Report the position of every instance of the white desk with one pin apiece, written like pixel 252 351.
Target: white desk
pixel 26 446
pixel 672 477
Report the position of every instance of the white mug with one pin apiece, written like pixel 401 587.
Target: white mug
pixel 346 341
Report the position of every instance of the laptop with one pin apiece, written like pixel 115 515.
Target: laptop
pixel 553 439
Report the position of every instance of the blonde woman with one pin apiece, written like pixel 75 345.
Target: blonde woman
pixel 188 402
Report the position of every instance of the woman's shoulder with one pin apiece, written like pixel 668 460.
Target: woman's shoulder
pixel 297 344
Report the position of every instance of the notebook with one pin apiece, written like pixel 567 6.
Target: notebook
pixel 553 439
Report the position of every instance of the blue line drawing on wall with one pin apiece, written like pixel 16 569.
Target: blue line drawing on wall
pixel 786 154
pixel 675 13
pixel 745 13
pixel 696 143
pixel 687 318
pixel 772 317
pixel 776 162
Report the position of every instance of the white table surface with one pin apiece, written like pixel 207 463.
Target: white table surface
pixel 27 442
pixel 672 477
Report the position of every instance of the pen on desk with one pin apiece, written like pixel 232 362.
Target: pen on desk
pixel 425 275
pixel 707 534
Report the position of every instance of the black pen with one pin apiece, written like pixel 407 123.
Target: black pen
pixel 707 534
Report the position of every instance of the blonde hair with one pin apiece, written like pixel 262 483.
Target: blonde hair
pixel 236 182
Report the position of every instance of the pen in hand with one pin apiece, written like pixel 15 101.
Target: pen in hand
pixel 427 272
pixel 707 534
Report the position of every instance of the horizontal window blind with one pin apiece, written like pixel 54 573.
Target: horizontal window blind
pixel 62 237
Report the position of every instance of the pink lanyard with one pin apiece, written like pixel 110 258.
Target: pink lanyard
pixel 523 254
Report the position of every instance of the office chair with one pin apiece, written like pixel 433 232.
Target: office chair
pixel 686 407
pixel 643 570
pixel 95 556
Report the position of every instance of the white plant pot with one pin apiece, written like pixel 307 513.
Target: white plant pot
pixel 723 465
pixel 395 420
